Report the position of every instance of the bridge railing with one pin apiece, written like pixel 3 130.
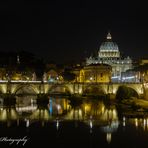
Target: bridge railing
pixel 46 82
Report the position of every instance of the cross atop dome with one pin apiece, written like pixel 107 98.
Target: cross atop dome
pixel 109 37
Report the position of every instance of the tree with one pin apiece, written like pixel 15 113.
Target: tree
pixel 68 76
pixel 124 92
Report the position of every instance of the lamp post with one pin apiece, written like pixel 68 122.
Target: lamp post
pixel 143 78
pixel 136 78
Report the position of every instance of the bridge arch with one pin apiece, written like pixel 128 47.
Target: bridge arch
pixel 26 89
pixel 94 90
pixel 126 92
pixel 59 89
pixel 134 89
pixel 138 88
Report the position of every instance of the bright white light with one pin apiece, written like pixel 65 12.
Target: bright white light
pixel 123 123
pixel 123 118
pixel 90 124
pixel 109 137
pixel 115 77
pixel 3 81
pixel 144 122
pixel 124 78
pixel 57 124
pixel 58 107
pixel 27 123
pixel 136 122
pixel 91 78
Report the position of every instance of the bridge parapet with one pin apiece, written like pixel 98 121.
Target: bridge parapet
pixel 72 87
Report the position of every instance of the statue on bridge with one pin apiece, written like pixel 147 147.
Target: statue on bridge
pixel 44 76
pixel 34 76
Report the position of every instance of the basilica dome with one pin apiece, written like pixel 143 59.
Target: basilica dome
pixel 109 46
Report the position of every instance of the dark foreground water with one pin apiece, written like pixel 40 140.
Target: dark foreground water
pixel 88 124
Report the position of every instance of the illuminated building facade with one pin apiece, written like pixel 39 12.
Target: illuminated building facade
pixel 109 54
pixel 100 73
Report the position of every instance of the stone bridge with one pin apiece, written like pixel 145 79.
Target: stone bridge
pixel 38 87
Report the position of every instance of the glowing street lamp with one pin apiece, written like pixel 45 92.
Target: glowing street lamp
pixel 91 78
pixel 143 77
pixel 136 78
pixel 58 108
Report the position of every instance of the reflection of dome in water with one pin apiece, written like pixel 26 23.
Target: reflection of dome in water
pixel 111 118
pixel 111 127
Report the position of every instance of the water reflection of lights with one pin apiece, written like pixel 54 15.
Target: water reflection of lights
pixel 7 113
pixel 136 122
pixel 145 123
pixel 102 109
pixel 109 114
pixel 58 107
pixel 90 124
pixel 27 122
pixel 74 114
pixel 124 119
pixel 87 108
pixel 57 124
pixel 40 114
pixel 112 127
pixel 109 129
pixel 93 113
pixel 139 122
pixel 108 137
pixel 50 106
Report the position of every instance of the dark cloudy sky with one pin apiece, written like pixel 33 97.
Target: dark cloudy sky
pixel 70 30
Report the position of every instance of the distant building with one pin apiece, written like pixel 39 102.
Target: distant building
pixel 52 75
pixel 109 54
pixel 100 73
pixel 130 76
pixel 142 69
pixel 143 61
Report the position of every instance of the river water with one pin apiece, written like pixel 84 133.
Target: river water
pixel 90 123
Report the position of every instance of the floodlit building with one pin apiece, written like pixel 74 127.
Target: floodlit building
pixel 99 73
pixel 109 54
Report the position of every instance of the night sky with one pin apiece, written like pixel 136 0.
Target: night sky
pixel 66 31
